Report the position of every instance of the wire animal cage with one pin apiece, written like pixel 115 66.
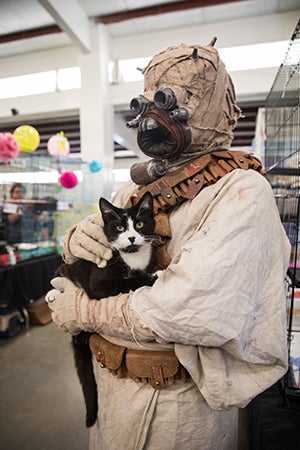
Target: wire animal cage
pixel 282 161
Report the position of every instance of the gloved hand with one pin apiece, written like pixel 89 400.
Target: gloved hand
pixel 87 241
pixel 69 305
pixel 73 311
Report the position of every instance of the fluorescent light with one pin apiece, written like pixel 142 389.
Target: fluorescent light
pixel 243 57
pixel 68 78
pixel 35 177
pixel 34 83
pixel 128 69
pixel 40 83
pixel 257 56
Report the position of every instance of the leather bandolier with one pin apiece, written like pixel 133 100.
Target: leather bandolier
pixel 161 368
pixel 184 183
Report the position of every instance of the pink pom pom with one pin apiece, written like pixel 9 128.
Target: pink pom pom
pixel 9 147
pixel 68 180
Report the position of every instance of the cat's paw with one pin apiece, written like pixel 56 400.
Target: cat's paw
pixel 157 274
pixel 52 295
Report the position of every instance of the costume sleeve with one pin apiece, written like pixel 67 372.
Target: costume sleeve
pixel 67 255
pixel 221 300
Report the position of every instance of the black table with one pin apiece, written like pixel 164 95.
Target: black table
pixel 25 282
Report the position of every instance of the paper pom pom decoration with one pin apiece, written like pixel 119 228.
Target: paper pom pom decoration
pixel 27 137
pixel 68 180
pixel 96 165
pixel 9 147
pixel 58 145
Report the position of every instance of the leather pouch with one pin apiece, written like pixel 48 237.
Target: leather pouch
pixel 155 368
pixel 107 354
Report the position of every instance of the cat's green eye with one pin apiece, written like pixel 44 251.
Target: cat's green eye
pixel 139 225
pixel 120 228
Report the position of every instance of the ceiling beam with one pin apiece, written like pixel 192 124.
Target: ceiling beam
pixel 71 18
pixel 109 18
pixel 26 34
pixel 158 9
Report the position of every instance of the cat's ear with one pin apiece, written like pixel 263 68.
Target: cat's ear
pixel 108 210
pixel 146 202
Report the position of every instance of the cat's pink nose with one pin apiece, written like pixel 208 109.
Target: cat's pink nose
pixel 131 239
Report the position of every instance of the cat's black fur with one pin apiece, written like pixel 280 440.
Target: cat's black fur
pixel 117 277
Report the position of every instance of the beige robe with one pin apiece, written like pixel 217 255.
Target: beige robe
pixel 222 302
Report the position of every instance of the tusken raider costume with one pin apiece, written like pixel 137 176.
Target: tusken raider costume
pixel 178 360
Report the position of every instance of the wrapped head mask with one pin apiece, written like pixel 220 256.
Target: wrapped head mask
pixel 188 105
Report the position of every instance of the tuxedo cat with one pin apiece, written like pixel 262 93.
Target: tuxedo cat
pixel 130 233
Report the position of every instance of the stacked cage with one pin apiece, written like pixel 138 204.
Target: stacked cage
pixel 282 161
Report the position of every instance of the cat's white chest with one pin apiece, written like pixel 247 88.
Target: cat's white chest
pixel 138 260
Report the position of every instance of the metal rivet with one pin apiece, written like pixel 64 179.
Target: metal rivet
pixel 102 366
pixel 157 383
pixel 241 160
pixel 168 195
pixel 196 180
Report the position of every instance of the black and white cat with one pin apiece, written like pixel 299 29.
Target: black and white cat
pixel 130 233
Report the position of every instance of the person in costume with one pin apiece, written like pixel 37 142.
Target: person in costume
pixel 218 304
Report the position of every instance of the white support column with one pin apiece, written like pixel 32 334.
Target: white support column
pixel 72 19
pixel 96 112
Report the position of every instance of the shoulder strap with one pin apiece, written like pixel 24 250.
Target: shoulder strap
pixel 184 183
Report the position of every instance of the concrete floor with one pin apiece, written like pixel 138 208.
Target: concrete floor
pixel 41 401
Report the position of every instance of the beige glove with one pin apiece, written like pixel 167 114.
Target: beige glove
pixel 87 241
pixel 73 311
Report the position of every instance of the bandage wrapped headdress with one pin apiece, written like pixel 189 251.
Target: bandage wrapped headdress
pixel 188 105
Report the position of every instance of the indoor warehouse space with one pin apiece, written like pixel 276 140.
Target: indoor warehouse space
pixel 149 163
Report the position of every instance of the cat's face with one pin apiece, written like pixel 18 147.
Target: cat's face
pixel 128 229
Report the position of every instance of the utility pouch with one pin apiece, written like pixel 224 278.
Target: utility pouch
pixel 157 368
pixel 109 355
pixel 154 367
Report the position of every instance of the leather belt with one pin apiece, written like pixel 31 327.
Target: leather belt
pixel 157 368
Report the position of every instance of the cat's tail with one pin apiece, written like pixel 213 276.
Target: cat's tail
pixel 84 366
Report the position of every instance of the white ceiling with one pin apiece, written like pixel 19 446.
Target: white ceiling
pixel 23 15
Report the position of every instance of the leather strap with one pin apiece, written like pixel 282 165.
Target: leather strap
pixel 184 183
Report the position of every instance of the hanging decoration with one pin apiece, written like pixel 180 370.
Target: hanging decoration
pixel 58 145
pixel 9 147
pixel 96 165
pixel 68 180
pixel 27 137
